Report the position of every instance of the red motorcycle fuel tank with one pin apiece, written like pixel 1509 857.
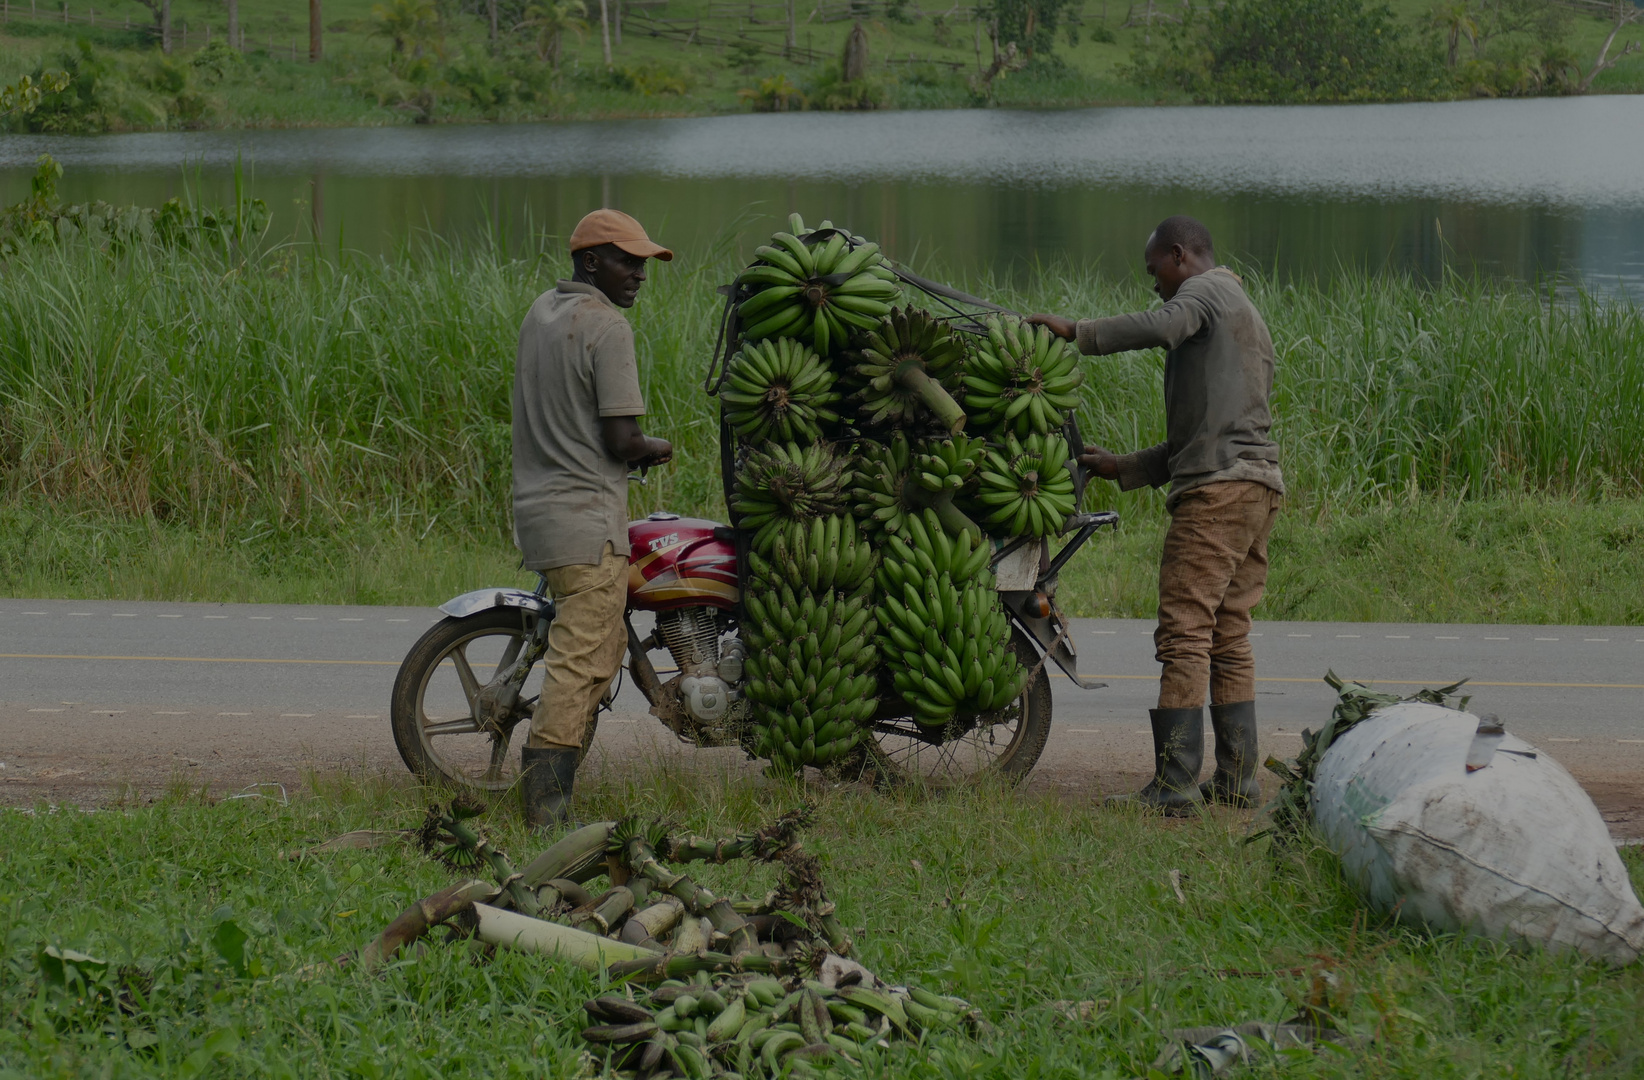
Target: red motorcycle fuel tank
pixel 675 562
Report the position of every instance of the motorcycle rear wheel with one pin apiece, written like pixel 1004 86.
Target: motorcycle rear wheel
pixel 442 675
pixel 1003 746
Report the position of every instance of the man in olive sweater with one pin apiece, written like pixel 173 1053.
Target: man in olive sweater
pixel 1225 488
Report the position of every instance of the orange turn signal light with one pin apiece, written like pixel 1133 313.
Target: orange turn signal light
pixel 1039 605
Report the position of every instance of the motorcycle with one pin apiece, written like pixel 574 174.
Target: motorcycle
pixel 460 694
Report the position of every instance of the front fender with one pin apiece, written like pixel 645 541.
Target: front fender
pixel 471 603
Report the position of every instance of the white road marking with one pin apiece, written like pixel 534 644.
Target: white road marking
pixel 408 620
pixel 350 620
pixel 1497 639
pixel 36 613
pixel 124 615
pixel 1444 637
pixel 306 618
pixel 45 710
pixel 71 703
pixel 216 616
pixel 264 618
pixel 1093 631
pixel 171 714
pixel 1563 740
pixel 79 613
pixel 1630 740
pixel 1392 636
pixel 1546 639
pixel 1346 635
pixel 302 715
pixel 1595 639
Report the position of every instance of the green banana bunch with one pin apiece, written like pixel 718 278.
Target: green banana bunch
pixel 886 492
pixel 779 390
pixel 879 486
pixel 811 675
pixel 824 553
pixel 1021 379
pixel 948 464
pixel 731 1024
pixel 904 360
pixel 943 632
pixel 814 288
pixel 784 482
pixel 1026 488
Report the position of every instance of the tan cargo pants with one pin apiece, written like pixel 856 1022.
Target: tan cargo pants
pixel 1213 572
pixel 585 647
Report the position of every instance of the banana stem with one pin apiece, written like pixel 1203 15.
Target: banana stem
pixel 421 917
pixel 572 857
pixel 522 898
pixel 953 519
pixel 911 375
pixel 672 967
pixel 642 860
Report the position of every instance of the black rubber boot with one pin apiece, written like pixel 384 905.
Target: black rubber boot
pixel 1178 751
pixel 545 779
pixel 1234 782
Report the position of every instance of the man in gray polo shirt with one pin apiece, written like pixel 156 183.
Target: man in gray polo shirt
pixel 576 400
pixel 1225 487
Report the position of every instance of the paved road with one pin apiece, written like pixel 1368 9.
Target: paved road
pixel 93 694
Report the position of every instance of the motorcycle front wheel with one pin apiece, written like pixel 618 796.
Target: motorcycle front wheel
pixel 436 692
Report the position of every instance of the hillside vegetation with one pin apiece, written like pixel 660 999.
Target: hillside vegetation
pixel 405 61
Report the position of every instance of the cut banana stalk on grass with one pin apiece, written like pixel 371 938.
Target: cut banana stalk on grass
pixel 819 286
pixel 1021 379
pixel 904 360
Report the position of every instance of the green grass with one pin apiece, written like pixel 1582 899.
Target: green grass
pixel 289 426
pixel 1013 902
pixel 353 86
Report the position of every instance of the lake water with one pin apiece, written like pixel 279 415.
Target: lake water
pixel 1525 188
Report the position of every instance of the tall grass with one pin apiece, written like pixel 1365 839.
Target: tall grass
pixel 289 394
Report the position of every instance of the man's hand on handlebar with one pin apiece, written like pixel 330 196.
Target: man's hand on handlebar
pixel 660 452
pixel 1062 327
pixel 1100 462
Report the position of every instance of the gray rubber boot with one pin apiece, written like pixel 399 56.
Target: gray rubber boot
pixel 546 776
pixel 1234 782
pixel 1178 751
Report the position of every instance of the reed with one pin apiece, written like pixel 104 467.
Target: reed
pixel 285 396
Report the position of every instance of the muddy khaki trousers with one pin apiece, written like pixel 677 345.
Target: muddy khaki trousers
pixel 585 647
pixel 1213 572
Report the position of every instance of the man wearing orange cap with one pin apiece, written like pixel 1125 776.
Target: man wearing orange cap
pixel 576 436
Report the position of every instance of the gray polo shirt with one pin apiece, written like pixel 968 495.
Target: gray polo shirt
pixel 575 366
pixel 1217 381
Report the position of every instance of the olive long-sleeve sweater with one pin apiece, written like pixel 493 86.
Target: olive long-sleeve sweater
pixel 1217 381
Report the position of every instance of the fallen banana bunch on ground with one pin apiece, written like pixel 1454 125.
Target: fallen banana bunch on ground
pixel 750 1025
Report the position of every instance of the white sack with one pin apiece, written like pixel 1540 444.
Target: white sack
pixel 1514 851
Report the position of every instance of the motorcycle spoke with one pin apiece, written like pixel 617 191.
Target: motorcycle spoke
pixel 465 675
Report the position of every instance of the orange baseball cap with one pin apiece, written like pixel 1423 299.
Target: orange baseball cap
pixel 614 227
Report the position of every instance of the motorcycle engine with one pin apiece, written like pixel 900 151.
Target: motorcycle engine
pixel 708 657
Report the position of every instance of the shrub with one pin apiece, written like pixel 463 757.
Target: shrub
pixel 1292 51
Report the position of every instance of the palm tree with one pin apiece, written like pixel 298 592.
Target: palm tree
pixel 1456 20
pixel 552 19
pixel 408 24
